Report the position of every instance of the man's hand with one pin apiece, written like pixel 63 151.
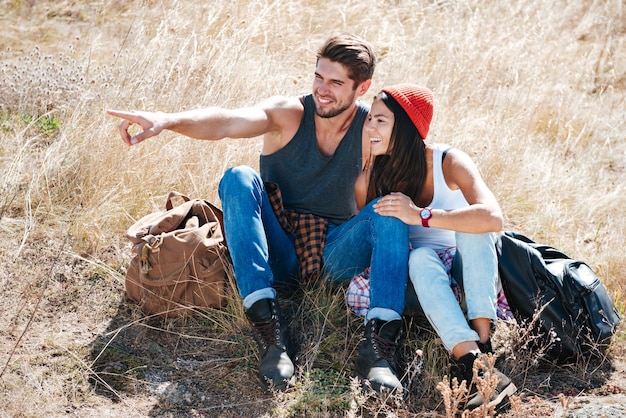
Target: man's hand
pixel 151 123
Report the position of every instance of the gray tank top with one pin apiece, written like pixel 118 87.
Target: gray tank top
pixel 310 182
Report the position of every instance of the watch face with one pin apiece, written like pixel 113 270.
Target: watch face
pixel 425 213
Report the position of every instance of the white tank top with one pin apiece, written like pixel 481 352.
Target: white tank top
pixel 443 198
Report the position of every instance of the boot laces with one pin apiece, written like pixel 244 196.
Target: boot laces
pixel 268 331
pixel 385 349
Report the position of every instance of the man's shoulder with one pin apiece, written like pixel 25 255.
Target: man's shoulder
pixel 284 114
pixel 283 103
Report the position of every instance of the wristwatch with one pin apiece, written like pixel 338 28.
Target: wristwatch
pixel 426 214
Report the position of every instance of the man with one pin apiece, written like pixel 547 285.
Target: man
pixel 298 218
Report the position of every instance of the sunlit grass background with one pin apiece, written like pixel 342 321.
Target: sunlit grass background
pixel 534 91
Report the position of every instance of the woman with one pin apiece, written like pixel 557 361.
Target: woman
pixel 438 191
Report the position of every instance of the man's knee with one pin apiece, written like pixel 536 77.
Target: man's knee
pixel 388 223
pixel 235 177
pixel 240 173
pixel 368 210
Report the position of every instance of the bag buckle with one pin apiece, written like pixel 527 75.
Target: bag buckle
pixel 152 245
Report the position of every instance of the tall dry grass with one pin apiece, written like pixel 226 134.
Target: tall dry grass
pixel 534 91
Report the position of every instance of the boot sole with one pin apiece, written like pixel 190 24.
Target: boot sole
pixel 379 390
pixel 506 392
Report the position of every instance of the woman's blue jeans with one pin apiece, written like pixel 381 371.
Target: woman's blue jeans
pixel 479 283
pixel 263 253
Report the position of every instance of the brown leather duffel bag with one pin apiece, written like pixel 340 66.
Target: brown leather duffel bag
pixel 180 260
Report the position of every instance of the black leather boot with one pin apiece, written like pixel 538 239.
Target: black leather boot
pixel 463 369
pixel 485 347
pixel 376 361
pixel 272 335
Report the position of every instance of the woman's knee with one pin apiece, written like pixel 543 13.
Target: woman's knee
pixel 423 255
pixel 466 240
pixel 425 268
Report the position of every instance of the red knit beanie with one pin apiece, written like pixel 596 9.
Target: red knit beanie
pixel 416 101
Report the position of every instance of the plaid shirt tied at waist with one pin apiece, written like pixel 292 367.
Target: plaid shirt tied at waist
pixel 309 232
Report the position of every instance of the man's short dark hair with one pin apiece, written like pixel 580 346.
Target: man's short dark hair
pixel 354 53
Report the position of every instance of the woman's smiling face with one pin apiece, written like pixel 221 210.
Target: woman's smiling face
pixel 378 127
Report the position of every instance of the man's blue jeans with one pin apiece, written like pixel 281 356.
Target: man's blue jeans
pixel 480 278
pixel 263 253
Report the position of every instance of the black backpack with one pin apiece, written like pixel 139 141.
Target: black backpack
pixel 576 316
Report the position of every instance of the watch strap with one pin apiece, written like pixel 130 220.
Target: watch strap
pixel 427 218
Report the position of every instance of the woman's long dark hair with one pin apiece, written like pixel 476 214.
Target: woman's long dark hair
pixel 403 168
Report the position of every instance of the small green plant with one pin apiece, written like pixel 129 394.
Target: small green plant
pixel 47 124
pixel 6 123
pixel 323 391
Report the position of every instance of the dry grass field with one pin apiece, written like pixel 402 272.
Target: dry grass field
pixel 535 91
